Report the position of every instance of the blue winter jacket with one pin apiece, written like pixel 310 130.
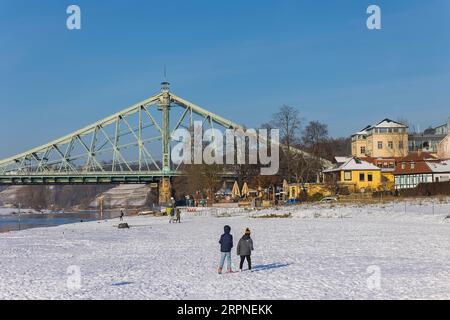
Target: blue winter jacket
pixel 226 240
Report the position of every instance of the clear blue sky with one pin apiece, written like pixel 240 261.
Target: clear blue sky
pixel 240 59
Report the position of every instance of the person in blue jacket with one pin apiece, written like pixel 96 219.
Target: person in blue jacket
pixel 226 244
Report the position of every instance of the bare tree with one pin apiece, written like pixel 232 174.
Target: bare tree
pixel 314 137
pixel 288 121
pixel 314 140
pixel 301 166
pixel 337 147
pixel 204 178
pixel 412 127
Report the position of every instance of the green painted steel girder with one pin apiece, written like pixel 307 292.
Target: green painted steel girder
pixel 97 178
pixel 35 166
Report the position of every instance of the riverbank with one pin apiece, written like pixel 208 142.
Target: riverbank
pixel 29 219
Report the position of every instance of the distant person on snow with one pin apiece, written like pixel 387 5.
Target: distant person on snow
pixel 171 215
pixel 172 210
pixel 226 244
pixel 245 248
pixel 121 214
pixel 178 216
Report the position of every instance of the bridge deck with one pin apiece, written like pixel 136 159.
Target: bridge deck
pixel 85 178
pixel 144 177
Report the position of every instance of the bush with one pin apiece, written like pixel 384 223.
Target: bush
pixel 303 196
pixel 343 191
pixel 317 196
pixel 427 190
pixel 433 189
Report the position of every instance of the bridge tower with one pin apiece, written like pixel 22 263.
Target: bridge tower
pixel 165 191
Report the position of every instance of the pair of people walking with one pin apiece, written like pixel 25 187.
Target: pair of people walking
pixel 244 249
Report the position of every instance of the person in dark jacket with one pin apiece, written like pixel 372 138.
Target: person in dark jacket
pixel 121 214
pixel 245 248
pixel 172 209
pixel 226 244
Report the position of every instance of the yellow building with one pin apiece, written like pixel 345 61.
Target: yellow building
pixel 355 174
pixel 385 139
pixel 444 148
pixel 359 143
pixel 387 166
pixel 388 180
pixel 310 188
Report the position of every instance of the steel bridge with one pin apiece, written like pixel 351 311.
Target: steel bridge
pixel 130 146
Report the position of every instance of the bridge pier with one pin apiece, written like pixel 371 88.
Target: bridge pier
pixel 165 191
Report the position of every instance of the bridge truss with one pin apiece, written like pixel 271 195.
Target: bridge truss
pixel 130 146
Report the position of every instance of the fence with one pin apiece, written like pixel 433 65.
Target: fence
pixel 385 205
pixel 216 212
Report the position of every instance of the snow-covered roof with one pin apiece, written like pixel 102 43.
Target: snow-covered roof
pixel 341 159
pixel 353 164
pixel 363 131
pixel 439 167
pixel 388 123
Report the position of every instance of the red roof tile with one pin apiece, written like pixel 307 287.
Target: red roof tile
pixel 418 158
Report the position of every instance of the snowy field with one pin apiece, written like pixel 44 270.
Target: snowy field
pixel 388 251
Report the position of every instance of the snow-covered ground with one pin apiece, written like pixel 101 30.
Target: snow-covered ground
pixel 322 252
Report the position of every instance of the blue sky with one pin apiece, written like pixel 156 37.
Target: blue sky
pixel 240 59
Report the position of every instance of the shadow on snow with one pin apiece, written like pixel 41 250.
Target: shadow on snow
pixel 121 283
pixel 263 267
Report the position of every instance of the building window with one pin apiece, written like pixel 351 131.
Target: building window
pixel 369 177
pixel 403 166
pixel 391 145
pixel 380 144
pixel 413 165
pixel 363 150
pixel 362 177
pixel 400 145
pixel 347 175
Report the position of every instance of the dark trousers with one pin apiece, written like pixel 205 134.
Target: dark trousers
pixel 249 261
